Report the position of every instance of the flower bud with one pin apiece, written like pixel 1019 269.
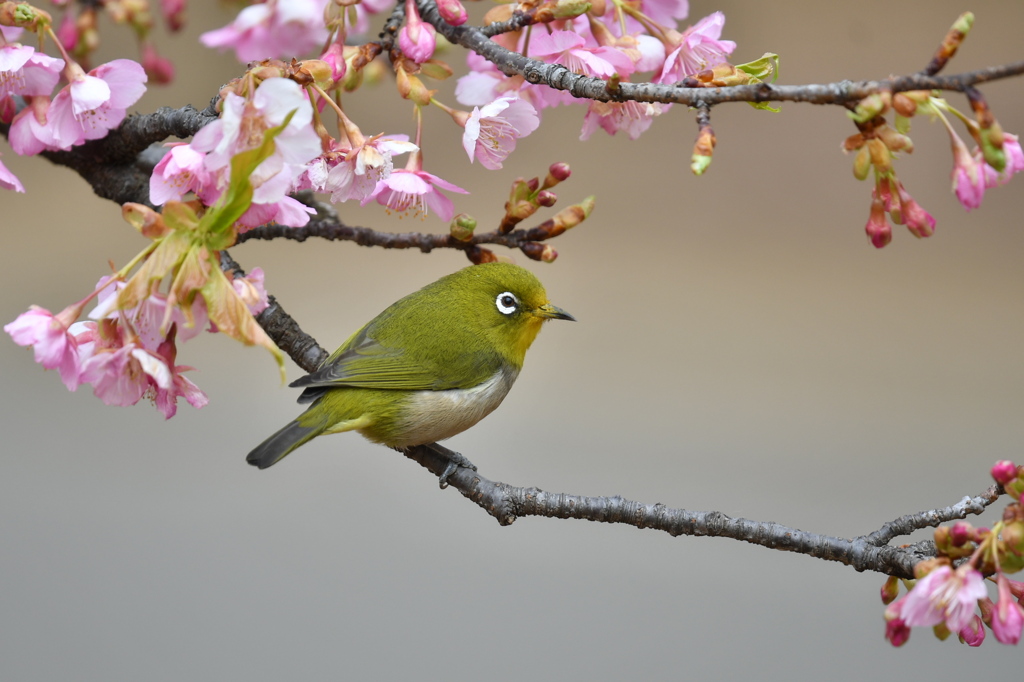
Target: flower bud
pixel 435 69
pixel 452 11
pixel 314 71
pixel 862 163
pixel 904 105
pixel 703 149
pixel 567 218
pixel 855 141
pixel 896 142
pixel 878 228
pixel 411 88
pixel 890 590
pixel 961 533
pixel 974 633
pixel 1013 535
pixel 462 227
pixel 881 159
pixel 558 172
pixel 334 58
pixel 870 106
pixel 478 255
pixel 1004 471
pixel 546 199
pixel 570 9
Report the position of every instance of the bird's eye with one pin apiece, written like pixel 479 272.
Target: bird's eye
pixel 507 303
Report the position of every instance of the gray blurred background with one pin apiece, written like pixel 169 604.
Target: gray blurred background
pixel 740 347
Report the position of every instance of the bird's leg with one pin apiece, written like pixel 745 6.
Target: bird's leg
pixel 455 460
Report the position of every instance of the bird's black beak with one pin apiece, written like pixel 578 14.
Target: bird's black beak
pixel 552 312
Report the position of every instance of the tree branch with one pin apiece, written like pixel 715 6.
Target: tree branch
pixel 870 552
pixel 327 225
pixel 115 166
pixel 584 87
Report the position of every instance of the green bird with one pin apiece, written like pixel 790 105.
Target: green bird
pixel 430 366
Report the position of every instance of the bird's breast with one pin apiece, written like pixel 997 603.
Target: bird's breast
pixel 430 416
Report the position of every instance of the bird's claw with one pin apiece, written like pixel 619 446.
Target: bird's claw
pixel 455 460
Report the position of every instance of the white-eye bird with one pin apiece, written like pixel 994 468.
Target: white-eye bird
pixel 430 366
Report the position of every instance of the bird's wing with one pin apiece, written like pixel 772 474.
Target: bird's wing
pixel 363 362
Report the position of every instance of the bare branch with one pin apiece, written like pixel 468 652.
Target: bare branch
pixel 506 503
pixel 905 525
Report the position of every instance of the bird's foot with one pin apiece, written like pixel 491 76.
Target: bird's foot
pixel 455 460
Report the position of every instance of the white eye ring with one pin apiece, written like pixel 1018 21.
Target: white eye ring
pixel 507 303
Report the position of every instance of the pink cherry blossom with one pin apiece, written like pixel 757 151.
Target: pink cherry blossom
pixel 1007 616
pixel 968 175
pixel 251 290
pixel 48 334
pixel 9 180
pixel 697 48
pixel 1014 162
pixel 180 171
pixel 94 103
pixel 633 118
pixel 277 28
pixel 568 48
pixel 152 318
pixel 417 191
pixel 238 130
pixel 165 395
pixel 30 133
pixel 491 132
pixel 357 175
pixel 416 38
pixel 23 71
pixel 944 595
pixel 121 376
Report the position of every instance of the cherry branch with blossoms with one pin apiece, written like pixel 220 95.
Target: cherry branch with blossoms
pixel 267 144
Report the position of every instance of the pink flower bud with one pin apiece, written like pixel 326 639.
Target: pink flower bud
pixel 890 590
pixel 452 11
pixel 974 633
pixel 335 58
pixel 961 533
pixel 878 229
pixel 158 69
pixel 1004 471
pixel 416 38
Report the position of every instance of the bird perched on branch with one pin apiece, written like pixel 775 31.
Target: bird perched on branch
pixel 430 366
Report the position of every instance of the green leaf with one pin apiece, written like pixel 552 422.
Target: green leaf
pixel 218 223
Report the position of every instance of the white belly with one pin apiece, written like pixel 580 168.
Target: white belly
pixel 435 415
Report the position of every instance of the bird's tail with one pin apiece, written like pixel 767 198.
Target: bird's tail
pixel 277 447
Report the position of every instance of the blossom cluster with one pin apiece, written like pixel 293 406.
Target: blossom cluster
pixel 953 599
pixel 996 157
pixel 87 107
pixel 273 137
